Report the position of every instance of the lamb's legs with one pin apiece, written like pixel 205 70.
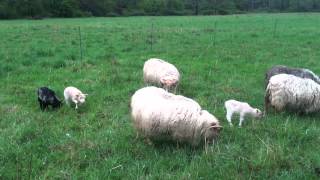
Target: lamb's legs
pixel 67 102
pixel 229 117
pixel 75 102
pixel 41 105
pixel 241 119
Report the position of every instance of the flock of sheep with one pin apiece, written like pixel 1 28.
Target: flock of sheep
pixel 158 114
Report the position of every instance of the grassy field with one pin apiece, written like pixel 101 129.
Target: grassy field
pixel 219 57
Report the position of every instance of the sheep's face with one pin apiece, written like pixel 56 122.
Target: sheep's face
pixel 81 98
pixel 258 113
pixel 56 103
pixel 211 126
pixel 169 81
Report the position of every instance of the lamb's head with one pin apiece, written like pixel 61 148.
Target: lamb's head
pixel 55 102
pixel 210 127
pixel 81 98
pixel 169 81
pixel 257 113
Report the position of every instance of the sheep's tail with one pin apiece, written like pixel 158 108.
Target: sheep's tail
pixel 267 100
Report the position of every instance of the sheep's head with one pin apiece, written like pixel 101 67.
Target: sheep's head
pixel 169 81
pixel 81 98
pixel 211 126
pixel 56 103
pixel 258 114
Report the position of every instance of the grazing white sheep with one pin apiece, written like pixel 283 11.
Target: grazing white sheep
pixel 74 95
pixel 241 108
pixel 160 115
pixel 161 73
pixel 289 92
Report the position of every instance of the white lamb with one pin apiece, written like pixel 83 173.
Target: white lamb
pixel 160 115
pixel 289 92
pixel 161 73
pixel 74 95
pixel 241 108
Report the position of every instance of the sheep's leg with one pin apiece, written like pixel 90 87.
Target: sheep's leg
pixel 175 89
pixel 75 102
pixel 229 117
pixel 206 145
pixel 44 106
pixel 67 102
pixel 137 136
pixel 266 102
pixel 41 105
pixel 166 88
pixel 241 119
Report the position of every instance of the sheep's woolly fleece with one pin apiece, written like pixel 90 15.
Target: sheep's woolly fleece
pixel 160 73
pixel 160 115
pixel 293 93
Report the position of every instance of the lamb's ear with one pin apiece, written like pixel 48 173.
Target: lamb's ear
pixel 258 111
pixel 85 94
pixel 162 82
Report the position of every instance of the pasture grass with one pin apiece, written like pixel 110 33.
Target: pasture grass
pixel 219 57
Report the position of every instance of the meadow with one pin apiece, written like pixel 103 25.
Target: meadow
pixel 219 57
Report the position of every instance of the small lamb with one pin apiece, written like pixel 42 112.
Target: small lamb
pixel 74 95
pixel 47 97
pixel 241 108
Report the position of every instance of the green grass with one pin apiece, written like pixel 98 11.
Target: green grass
pixel 219 57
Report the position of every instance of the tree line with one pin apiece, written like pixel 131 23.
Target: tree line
pixel 10 9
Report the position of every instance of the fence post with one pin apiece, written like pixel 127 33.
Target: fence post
pixel 214 33
pixel 151 36
pixel 80 43
pixel 275 27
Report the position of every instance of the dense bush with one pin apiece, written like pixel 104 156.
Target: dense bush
pixel 76 8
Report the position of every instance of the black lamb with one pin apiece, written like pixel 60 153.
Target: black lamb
pixel 47 97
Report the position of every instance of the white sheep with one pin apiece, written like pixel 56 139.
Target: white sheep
pixel 161 73
pixel 74 95
pixel 160 115
pixel 241 108
pixel 289 92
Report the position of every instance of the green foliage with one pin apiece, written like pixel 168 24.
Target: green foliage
pixel 76 8
pixel 219 57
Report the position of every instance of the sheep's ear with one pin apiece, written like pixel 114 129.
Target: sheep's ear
pixel 85 94
pixel 258 111
pixel 215 126
pixel 162 82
